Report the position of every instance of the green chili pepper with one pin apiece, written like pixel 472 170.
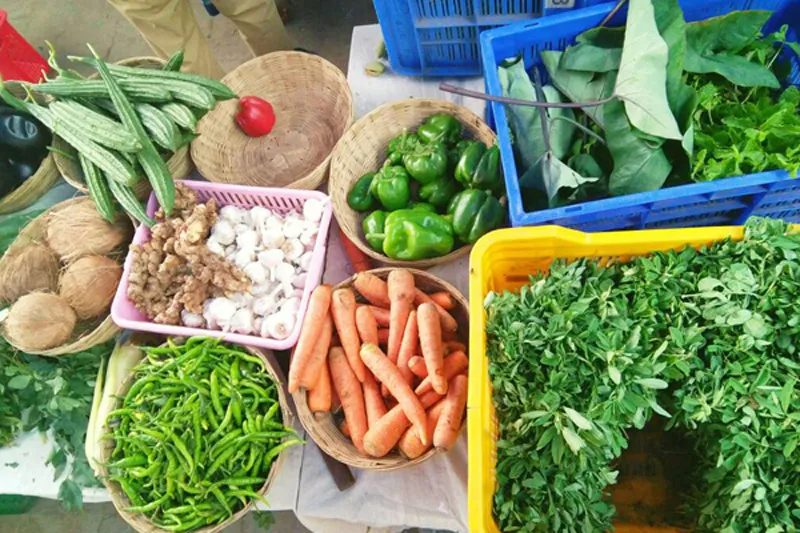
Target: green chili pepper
pixel 374 229
pixel 427 163
pixel 215 401
pixel 128 462
pixel 150 506
pixel 359 197
pixel 128 489
pixel 270 455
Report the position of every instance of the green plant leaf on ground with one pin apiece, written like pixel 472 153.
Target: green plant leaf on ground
pixel 641 82
pixel 713 46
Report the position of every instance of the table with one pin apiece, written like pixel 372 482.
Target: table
pixel 431 495
pixel 434 493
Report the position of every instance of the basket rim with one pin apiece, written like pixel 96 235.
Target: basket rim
pixel 349 455
pixel 118 499
pixel 37 185
pixel 356 237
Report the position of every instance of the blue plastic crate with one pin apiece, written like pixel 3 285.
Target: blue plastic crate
pixel 726 201
pixel 440 37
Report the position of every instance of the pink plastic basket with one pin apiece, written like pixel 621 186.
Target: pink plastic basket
pixel 18 59
pixel 282 201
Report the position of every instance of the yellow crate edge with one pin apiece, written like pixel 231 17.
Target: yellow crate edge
pixel 481 432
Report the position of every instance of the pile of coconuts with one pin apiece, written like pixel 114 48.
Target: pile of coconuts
pixel 61 275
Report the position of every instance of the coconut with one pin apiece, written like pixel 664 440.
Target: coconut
pixel 88 285
pixel 39 321
pixel 78 230
pixel 30 268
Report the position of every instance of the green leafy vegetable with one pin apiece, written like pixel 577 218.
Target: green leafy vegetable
pixel 579 86
pixel 597 50
pixel 642 78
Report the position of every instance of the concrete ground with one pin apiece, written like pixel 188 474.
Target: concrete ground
pixel 321 26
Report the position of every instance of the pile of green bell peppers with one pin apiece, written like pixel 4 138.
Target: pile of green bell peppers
pixel 435 191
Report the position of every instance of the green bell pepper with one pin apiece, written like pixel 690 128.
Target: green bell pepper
pixel 374 226
pixel 440 127
pixel 392 187
pixel 439 192
pixel 474 213
pixel 422 206
pixel 413 234
pixel 401 145
pixel 359 197
pixel 479 168
pixel 427 162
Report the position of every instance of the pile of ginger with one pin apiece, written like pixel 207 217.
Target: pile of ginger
pixel 176 270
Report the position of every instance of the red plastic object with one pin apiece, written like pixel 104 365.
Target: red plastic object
pixel 18 59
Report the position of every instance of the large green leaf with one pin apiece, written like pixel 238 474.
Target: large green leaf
pixel 713 44
pixel 597 50
pixel 638 165
pixel 525 121
pixel 555 179
pixel 580 86
pixel 642 79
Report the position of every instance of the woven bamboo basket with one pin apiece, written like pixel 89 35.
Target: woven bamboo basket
pixel 34 187
pixel 313 108
pixel 323 427
pixel 363 149
pixel 141 523
pixel 66 158
pixel 87 333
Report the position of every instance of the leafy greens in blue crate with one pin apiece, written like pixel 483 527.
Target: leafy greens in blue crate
pixel 663 103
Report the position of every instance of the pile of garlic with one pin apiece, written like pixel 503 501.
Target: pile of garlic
pixel 275 252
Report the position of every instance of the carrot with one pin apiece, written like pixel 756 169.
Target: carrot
pixel 449 336
pixel 410 443
pixel 401 296
pixel 336 403
pixel 366 325
pixel 373 401
pixel 343 308
pixel 417 365
pixel 319 397
pixel 302 365
pixel 383 336
pixel 320 354
pixel 454 364
pixel 454 346
pixel 448 322
pixel 349 390
pixel 449 424
pixel 430 340
pixel 381 438
pixel 408 346
pixel 345 429
pixel 388 373
pixel 381 315
pixel 372 288
pixel 444 300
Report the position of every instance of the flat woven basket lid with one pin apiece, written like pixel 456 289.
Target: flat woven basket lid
pixel 313 108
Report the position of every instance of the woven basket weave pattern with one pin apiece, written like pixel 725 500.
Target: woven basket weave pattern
pixel 313 108
pixel 322 427
pixel 363 149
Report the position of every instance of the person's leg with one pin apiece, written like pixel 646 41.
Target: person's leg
pixel 259 23
pixel 168 26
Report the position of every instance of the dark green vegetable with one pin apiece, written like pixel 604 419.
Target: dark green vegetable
pixel 399 146
pixel 219 471
pixel 440 127
pixel 374 227
pixel 439 193
pixel 427 163
pixel 392 187
pixel 359 198
pixel 589 350
pixel 412 234
pixel 479 168
pixel 474 213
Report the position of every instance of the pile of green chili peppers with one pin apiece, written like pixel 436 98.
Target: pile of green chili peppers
pixel 435 191
pixel 196 434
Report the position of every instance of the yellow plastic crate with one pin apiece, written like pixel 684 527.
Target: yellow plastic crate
pixel 503 260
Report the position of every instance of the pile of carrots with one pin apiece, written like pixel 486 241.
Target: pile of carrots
pixel 395 365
